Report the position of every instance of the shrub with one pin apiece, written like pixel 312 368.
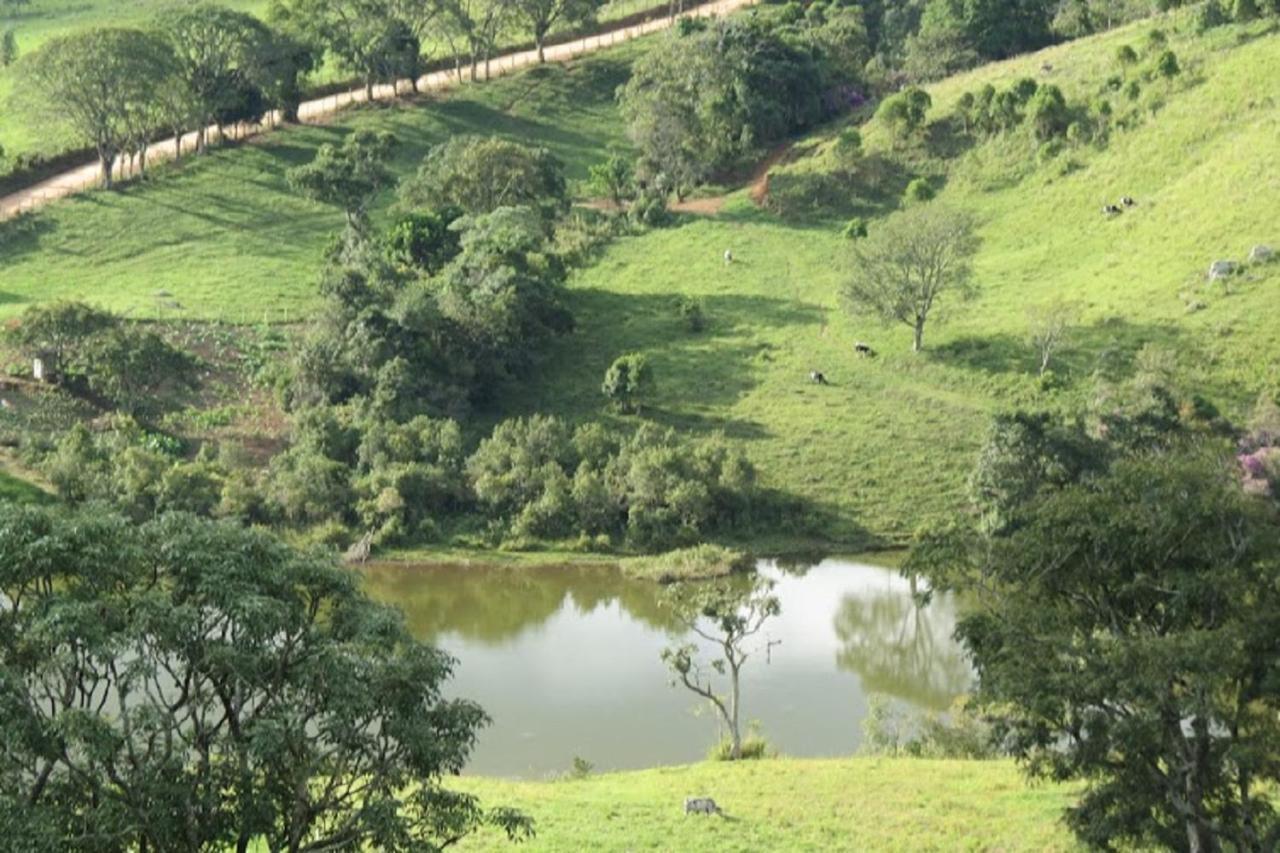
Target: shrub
pixel 1048 113
pixel 701 562
pixel 1167 65
pixel 754 746
pixel 855 229
pixel 691 313
pixel 627 382
pixel 1126 55
pixel 919 190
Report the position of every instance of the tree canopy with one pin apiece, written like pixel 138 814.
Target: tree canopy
pixel 187 684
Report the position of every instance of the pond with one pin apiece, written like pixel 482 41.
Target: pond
pixel 566 660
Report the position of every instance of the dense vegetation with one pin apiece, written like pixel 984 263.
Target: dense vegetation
pixel 1085 445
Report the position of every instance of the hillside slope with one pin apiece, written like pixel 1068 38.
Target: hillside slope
pixel 787 804
pixel 886 447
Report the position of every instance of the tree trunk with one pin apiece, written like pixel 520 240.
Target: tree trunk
pixel 475 66
pixel 368 90
pixel 539 38
pixel 735 732
pixel 108 167
pixel 918 344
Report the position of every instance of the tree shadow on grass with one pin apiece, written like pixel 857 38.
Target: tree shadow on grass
pixel 22 234
pixel 1107 350
pixel 696 375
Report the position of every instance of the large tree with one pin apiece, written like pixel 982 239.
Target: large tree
pixel 906 266
pixel 190 685
pixel 1126 631
pixel 479 174
pixel 95 82
pixel 218 52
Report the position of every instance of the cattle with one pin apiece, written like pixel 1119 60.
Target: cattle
pixel 817 377
pixel 700 805
pixel 864 350
pixel 728 257
pixel 1128 201
pixel 1110 210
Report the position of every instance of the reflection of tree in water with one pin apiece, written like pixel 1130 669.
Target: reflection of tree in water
pixel 902 649
pixel 494 605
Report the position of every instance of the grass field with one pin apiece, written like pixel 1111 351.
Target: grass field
pixel 41 20
pixel 886 447
pixel 17 490
pixel 794 805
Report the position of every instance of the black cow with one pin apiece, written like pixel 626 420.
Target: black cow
pixel 1111 210
pixel 1128 201
pixel 817 377
pixel 864 350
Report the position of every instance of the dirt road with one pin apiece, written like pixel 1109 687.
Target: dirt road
pixel 87 177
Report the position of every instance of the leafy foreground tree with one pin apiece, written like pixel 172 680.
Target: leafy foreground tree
pixel 905 267
pixel 189 685
pixel 727 615
pixel 1126 631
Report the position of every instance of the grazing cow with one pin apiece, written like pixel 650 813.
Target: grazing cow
pixel 728 257
pixel 1128 201
pixel 817 377
pixel 1110 210
pixel 700 805
pixel 1047 68
pixel 864 350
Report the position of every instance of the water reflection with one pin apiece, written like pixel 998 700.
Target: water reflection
pixel 901 648
pixel 566 660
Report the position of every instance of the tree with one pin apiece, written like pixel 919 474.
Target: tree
pixel 728 616
pixel 627 382
pixel 56 331
pixel 132 369
pixel 370 38
pixel 92 81
pixel 217 52
pixel 1048 325
pixel 541 15
pixel 1126 632
pixel 905 112
pixel 1168 65
pixel 1047 111
pixel 902 270
pixel 186 685
pixel 613 179
pixel 348 176
pixel 479 174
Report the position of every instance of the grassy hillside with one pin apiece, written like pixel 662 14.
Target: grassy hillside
pixel 886 447
pixel 785 804
pixel 227 238
pixel 43 19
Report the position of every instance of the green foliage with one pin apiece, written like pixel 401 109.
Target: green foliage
pixel 479 174
pixel 701 562
pixel 347 176
pixel 100 84
pixel 1126 55
pixel 424 240
pixel 701 103
pixel 1167 64
pixel 918 191
pixel 905 113
pixel 373 39
pixel 754 747
pixel 8 48
pixel 1125 635
pixel 728 616
pixel 136 371
pixel 855 229
pixel 959 734
pixel 910 263
pixel 56 331
pixel 304 687
pixel 1047 111
pixel 613 179
pixel 627 382
pixel 692 314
